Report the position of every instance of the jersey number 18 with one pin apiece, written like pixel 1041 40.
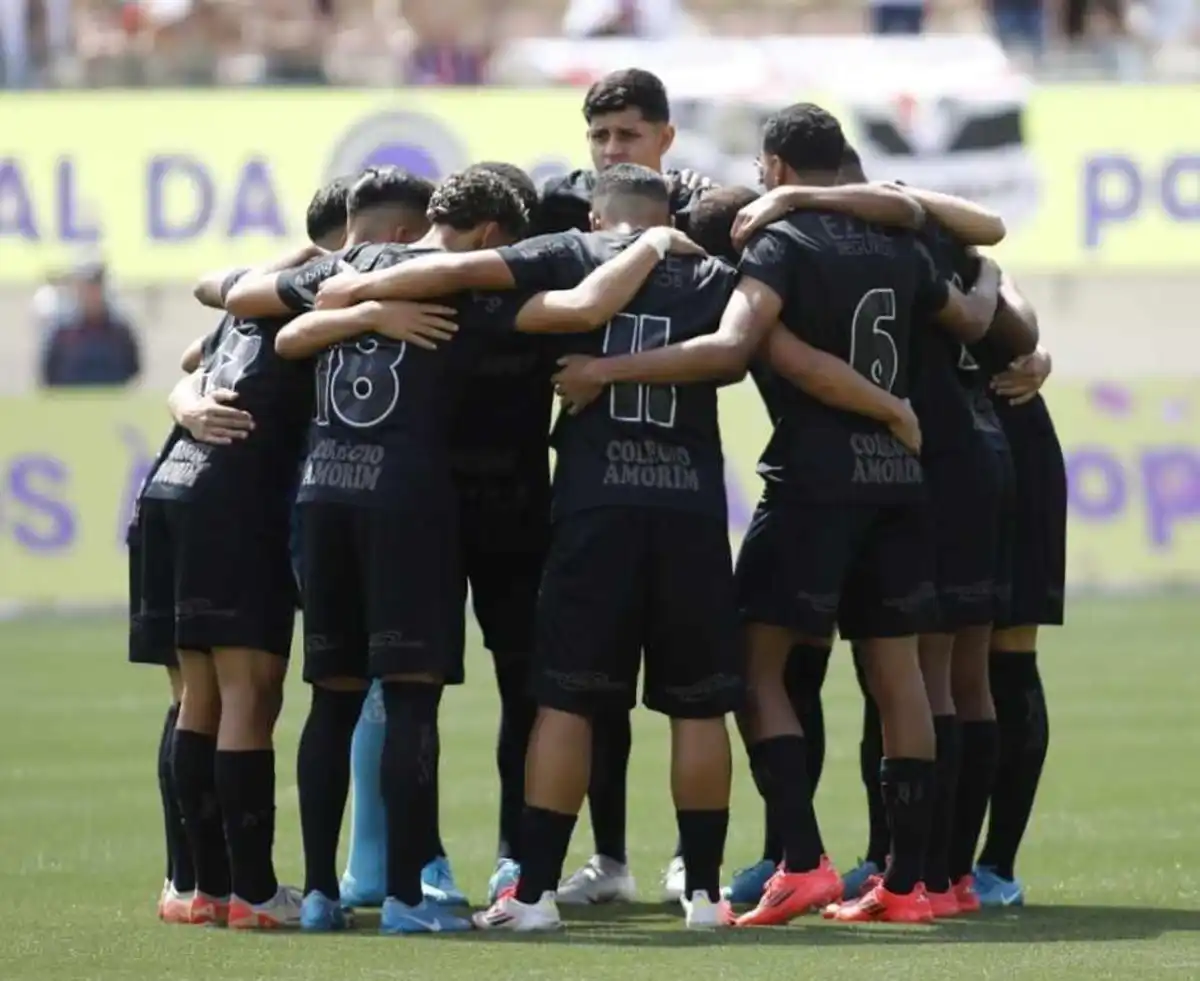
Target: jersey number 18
pixel 358 383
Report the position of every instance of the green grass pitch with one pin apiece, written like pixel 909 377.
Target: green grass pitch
pixel 1112 861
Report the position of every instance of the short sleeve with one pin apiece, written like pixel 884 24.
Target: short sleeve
pixel 230 280
pixel 547 262
pixel 297 288
pixel 768 258
pixel 933 291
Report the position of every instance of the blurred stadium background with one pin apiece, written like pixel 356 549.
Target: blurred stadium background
pixel 168 137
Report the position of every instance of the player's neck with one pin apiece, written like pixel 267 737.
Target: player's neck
pixel 812 178
pixel 438 237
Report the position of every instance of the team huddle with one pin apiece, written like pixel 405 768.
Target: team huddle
pixel 365 435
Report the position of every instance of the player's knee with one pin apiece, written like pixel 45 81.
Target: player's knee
pixel 342 684
pixel 200 695
pixel 1019 639
pixel 175 679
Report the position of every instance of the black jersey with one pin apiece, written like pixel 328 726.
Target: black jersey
pixel 851 289
pixel 566 203
pixel 636 445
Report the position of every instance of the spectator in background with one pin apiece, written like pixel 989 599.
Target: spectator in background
pixel 652 19
pixel 893 17
pixel 1020 25
pixel 451 41
pixel 32 33
pixel 92 343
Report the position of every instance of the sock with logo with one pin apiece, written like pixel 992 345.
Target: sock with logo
pixel 367 858
pixel 907 788
pixel 180 871
pixel 246 788
pixel 612 738
pixel 1024 740
pixel 976 777
pixel 702 841
pixel 323 782
pixel 408 775
pixel 945 787
pixel 517 712
pixel 193 771
pixel 545 838
pixel 780 773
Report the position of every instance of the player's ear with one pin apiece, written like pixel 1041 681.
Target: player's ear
pixel 491 236
pixel 594 221
pixel 666 139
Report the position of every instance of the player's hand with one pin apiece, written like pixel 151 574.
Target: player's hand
pixel 1023 378
pixel 211 419
pixel 689 180
pixel 420 324
pixel 337 291
pixel 673 241
pixel 757 215
pixel 905 427
pixel 576 382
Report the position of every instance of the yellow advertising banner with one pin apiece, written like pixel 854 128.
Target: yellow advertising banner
pixel 167 184
pixel 69 467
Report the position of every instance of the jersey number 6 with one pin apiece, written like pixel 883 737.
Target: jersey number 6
pixel 872 348
pixel 358 383
pixel 629 333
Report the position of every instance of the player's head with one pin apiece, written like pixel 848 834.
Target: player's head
pixel 851 169
pixel 802 144
pixel 521 182
pixel 477 209
pixel 629 195
pixel 387 204
pixel 710 221
pixel 629 119
pixel 326 217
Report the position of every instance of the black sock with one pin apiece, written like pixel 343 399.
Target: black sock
pixel 408 776
pixel 193 770
pixel 246 789
pixel 545 838
pixel 611 739
pixel 323 782
pixel 1024 740
pixel 517 712
pixel 907 787
pixel 702 841
pixel 976 777
pixel 937 855
pixel 803 679
pixel 870 758
pixel 180 871
pixel 781 777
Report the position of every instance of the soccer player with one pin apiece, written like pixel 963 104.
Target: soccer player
pixel 628 118
pixel 842 542
pixel 208 418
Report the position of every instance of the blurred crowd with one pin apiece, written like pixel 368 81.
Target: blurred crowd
pixel 93 43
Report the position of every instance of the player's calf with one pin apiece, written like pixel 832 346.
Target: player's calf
pixel 935 652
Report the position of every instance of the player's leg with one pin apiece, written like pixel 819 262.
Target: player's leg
pixel 786 595
pixel 695 676
pixel 889 601
pixel 414 619
pixel 363 882
pixel 590 612
pixel 870 757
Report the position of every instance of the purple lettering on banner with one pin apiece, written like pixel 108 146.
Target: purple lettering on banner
pixel 164 170
pixel 1174 182
pixel 16 208
pixel 407 156
pixel 1101 206
pixel 1096 488
pixel 739 507
pixel 56 530
pixel 140 465
pixel 72 226
pixel 255 205
pixel 1171 481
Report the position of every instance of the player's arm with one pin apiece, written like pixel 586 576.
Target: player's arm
pixel 881 204
pixel 192 354
pixel 210 417
pixel 1015 325
pixel 606 290
pixel 271 292
pixel 212 288
pixel 436 274
pixel 967 221
pixel 422 324
pixel 967 316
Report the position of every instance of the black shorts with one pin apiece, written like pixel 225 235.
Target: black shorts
pixel 866 569
pixel 622 581
pixel 503 548
pixel 149 642
pixel 216 577
pixel 381 593
pixel 970 510
pixel 1039 517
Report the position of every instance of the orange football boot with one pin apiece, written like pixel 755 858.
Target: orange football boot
pixel 881 906
pixel 943 904
pixel 792 894
pixel 964 892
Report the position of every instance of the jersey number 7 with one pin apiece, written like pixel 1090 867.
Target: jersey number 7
pixel 629 333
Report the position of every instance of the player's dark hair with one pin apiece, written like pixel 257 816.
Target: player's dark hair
pixel 805 137
pixel 388 187
pixel 850 171
pixel 468 199
pixel 710 220
pixel 631 180
pixel 522 183
pixel 327 209
pixel 630 88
